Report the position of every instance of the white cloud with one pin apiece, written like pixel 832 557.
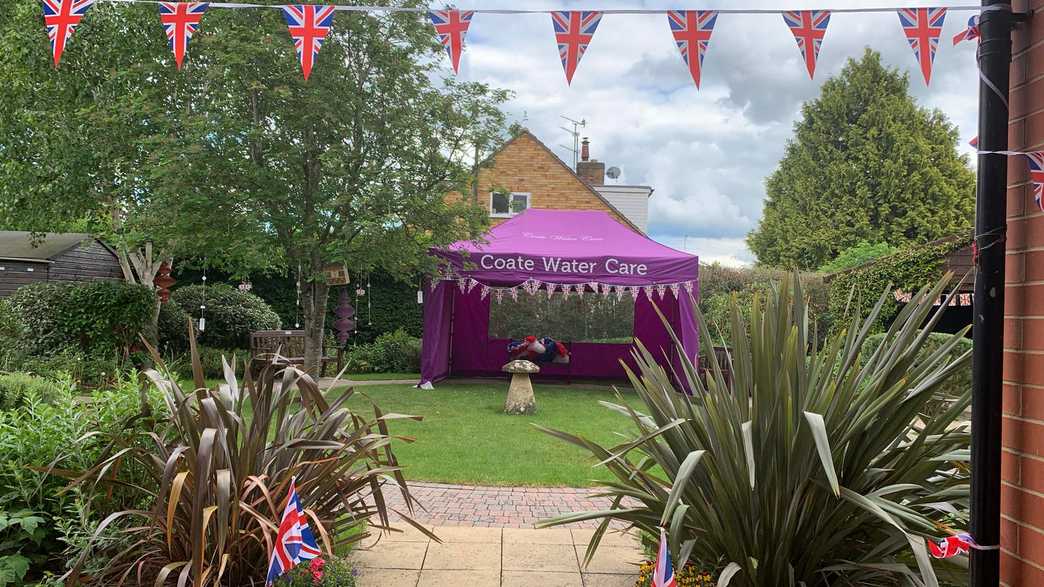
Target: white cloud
pixel 705 152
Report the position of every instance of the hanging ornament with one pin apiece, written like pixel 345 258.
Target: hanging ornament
pixel 580 290
pixel 485 292
pixel 462 283
pixel 499 294
pixel 606 290
pixel 450 28
pixel 692 32
pixel 661 290
pixel 61 18
pixel 514 294
pixel 808 27
pixel 647 290
pixel 634 292
pixel 433 284
pixel 308 24
pixel 566 290
pixel 689 286
pixel 923 27
pixel 344 312
pixel 676 290
pixel 180 20
pixel 471 284
pixel 595 286
pixel 574 30
pixel 550 289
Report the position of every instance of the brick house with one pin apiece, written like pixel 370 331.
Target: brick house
pixel 1022 460
pixel 55 257
pixel 525 173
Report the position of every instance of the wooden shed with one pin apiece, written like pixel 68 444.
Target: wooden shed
pixel 54 257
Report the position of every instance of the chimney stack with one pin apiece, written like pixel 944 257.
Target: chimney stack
pixel 590 170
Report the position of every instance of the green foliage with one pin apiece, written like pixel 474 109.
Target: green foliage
pixel 320 572
pixel 866 164
pixel 210 360
pixel 860 254
pixel 16 387
pixel 95 369
pixel 856 291
pixel 12 330
pixel 231 314
pixel 954 387
pixel 227 451
pixel 811 466
pixel 20 531
pixel 96 317
pixel 592 318
pixel 173 327
pixel 393 352
pixel 40 439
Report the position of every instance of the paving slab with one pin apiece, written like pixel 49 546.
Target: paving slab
pixel 612 560
pixel 539 557
pixel 531 536
pixel 463 556
pixel 391 555
pixel 522 579
pixel 436 578
pixel 387 578
pixel 605 580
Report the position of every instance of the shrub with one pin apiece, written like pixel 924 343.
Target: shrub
pixel 955 386
pixel 16 387
pixel 210 360
pixel 393 352
pixel 96 317
pixel 12 331
pixel 39 440
pixel 860 254
pixel 92 370
pixel 173 328
pixel 806 467
pixel 225 467
pixel 231 314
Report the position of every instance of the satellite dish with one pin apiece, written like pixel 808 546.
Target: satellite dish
pixel 613 172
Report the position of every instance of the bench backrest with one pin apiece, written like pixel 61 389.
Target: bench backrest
pixel 289 343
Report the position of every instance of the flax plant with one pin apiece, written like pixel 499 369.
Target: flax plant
pixel 219 475
pixel 810 465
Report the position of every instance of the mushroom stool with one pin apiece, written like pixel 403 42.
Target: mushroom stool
pixel 520 398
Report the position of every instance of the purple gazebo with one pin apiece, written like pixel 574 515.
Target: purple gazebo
pixel 568 252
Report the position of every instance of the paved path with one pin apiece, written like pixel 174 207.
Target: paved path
pixel 498 507
pixel 495 557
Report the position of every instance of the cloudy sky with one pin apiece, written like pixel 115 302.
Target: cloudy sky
pixel 705 152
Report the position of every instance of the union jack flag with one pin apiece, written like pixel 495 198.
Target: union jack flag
pixel 951 546
pixel 923 27
pixel 450 28
pixel 1036 167
pixel 180 20
pixel 61 18
pixel 309 24
pixel 663 574
pixel 574 30
pixel 809 28
pixel 974 142
pixel 294 541
pixel 972 32
pixel 692 32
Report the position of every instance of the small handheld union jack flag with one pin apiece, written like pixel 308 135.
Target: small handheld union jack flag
pixel 574 30
pixel 450 28
pixel 951 546
pixel 692 32
pixel 1036 172
pixel 663 574
pixel 809 27
pixel 180 20
pixel 61 18
pixel 309 24
pixel 970 33
pixel 923 27
pixel 294 541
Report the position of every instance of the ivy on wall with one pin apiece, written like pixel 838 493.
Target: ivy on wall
pixel 909 270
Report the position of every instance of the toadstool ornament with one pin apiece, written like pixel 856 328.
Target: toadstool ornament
pixel 520 398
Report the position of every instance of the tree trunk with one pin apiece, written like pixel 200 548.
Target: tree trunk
pixel 315 297
pixel 151 330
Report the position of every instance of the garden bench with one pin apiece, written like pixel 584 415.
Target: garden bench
pixel 265 345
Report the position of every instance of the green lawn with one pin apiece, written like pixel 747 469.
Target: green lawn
pixel 381 376
pixel 466 438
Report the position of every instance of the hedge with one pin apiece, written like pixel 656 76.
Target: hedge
pixel 909 270
pixel 231 314
pixel 96 316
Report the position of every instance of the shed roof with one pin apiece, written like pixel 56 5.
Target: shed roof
pixel 22 246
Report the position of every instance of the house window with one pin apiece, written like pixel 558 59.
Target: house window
pixel 507 204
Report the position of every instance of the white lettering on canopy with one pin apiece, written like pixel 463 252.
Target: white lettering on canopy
pixel 561 265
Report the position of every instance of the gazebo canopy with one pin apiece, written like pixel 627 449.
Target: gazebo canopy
pixel 568 246
pixel 559 251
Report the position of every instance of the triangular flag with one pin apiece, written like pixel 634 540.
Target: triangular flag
pixel 692 32
pixel 923 27
pixel 309 24
pixel 550 289
pixel 574 30
pixel 61 18
pixel 809 27
pixel 180 20
pixel 1036 172
pixel 450 28
pixel 970 33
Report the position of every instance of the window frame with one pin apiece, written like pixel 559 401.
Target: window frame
pixel 511 199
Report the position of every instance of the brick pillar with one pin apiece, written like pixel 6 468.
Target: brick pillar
pixel 1022 477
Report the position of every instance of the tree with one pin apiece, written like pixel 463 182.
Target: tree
pixel 865 164
pixel 238 158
